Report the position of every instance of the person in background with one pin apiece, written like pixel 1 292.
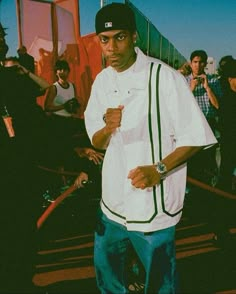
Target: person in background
pixel 227 115
pixel 185 69
pixel 62 105
pixel 26 59
pixel 24 103
pixel 20 184
pixel 223 81
pixel 61 99
pixel 222 63
pixel 228 124
pixel 207 92
pixel 148 137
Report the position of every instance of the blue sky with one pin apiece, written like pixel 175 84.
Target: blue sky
pixel 188 24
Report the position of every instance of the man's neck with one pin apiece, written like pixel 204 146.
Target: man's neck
pixel 63 83
pixel 129 63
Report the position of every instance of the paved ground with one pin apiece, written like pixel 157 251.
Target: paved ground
pixel 65 259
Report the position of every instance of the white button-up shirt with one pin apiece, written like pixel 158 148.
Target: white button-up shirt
pixel 137 141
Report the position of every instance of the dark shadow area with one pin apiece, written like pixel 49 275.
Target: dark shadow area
pixel 66 245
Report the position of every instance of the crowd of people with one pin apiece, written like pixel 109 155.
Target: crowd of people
pixel 29 138
pixel 144 122
pixel 213 94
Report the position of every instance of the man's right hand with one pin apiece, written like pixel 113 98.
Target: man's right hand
pixel 194 83
pixel 112 118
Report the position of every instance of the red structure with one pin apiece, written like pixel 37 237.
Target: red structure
pixel 58 36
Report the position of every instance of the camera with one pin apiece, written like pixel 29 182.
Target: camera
pixel 72 105
pixel 199 79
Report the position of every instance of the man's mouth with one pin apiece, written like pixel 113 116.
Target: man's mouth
pixel 113 57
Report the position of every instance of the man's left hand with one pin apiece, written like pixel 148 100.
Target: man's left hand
pixel 144 176
pixel 204 80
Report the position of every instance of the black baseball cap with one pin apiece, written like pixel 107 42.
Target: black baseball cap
pixel 115 16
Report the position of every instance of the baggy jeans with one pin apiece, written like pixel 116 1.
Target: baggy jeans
pixel 156 251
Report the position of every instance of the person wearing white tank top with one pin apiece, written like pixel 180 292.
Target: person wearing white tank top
pixel 64 123
pixel 61 98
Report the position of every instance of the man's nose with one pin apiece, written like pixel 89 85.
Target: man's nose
pixel 111 45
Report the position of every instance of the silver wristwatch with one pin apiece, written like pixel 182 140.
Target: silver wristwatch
pixel 161 169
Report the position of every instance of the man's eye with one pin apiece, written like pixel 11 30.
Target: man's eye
pixel 121 37
pixel 103 40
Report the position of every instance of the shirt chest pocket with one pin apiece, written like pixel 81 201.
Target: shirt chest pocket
pixel 135 108
pixel 134 102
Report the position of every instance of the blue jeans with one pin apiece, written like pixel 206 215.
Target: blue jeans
pixel 156 251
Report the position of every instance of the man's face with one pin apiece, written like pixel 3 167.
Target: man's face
pixel 197 65
pixel 118 48
pixel 62 74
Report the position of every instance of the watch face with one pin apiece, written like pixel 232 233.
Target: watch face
pixel 161 168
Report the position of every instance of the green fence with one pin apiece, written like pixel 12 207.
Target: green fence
pixel 153 43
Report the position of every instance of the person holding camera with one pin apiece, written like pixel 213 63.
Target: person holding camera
pixel 206 88
pixel 207 92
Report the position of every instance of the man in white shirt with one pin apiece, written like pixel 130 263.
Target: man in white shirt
pixel 143 114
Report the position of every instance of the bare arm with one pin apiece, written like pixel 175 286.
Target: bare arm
pixel 101 138
pixel 147 176
pixel 212 97
pixel 43 84
pixel 39 80
pixel 49 101
pixel 179 156
pixel 49 104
